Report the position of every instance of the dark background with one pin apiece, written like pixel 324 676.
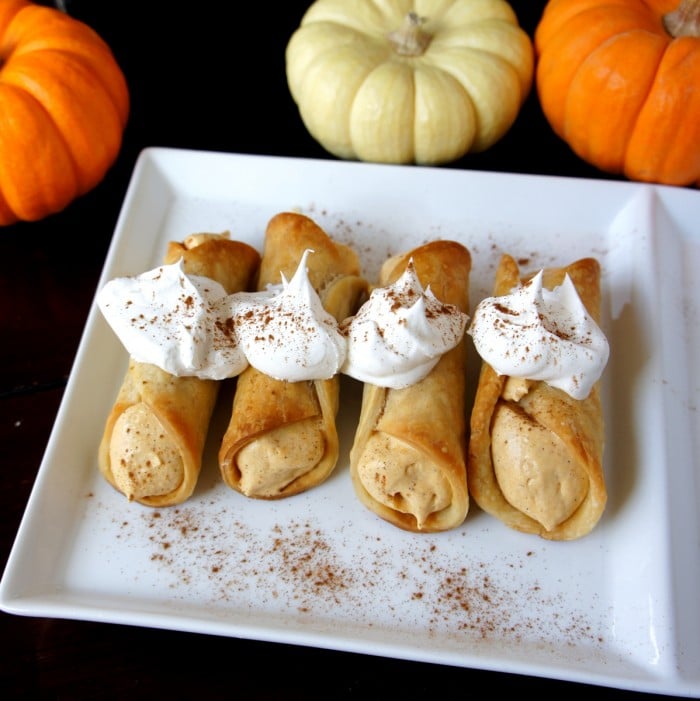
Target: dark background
pixel 210 76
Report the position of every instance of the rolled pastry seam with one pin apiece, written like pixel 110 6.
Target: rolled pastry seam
pixel 535 453
pixel 408 459
pixel 282 437
pixel 151 449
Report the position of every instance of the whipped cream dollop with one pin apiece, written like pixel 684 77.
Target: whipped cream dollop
pixel 399 334
pixel 540 334
pixel 289 335
pixel 188 326
pixel 179 322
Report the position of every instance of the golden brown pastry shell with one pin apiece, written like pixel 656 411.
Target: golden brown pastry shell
pixel 429 415
pixel 262 403
pixel 182 405
pixel 579 423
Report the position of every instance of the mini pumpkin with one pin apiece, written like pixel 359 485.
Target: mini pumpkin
pixel 619 81
pixel 64 105
pixel 402 81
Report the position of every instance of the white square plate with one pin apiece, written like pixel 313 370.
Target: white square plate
pixel 617 608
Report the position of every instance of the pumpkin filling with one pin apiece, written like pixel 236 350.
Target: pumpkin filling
pixel 144 461
pixel 271 462
pixel 399 476
pixel 534 468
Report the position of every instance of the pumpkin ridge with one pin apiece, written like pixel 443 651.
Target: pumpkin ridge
pixel 89 126
pixel 521 62
pixel 80 58
pixel 117 95
pixel 599 118
pixel 658 147
pixel 566 50
pixel 36 26
pixel 458 116
pixel 80 40
pixel 36 157
pixel 108 74
pixel 379 124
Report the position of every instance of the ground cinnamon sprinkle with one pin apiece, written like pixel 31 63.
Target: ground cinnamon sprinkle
pixel 297 568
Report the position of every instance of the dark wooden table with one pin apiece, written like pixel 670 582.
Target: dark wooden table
pixel 198 79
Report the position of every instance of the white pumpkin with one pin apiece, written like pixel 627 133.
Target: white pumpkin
pixel 409 81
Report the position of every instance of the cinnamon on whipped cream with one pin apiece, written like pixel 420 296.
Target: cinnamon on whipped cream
pixel 288 335
pixel 539 334
pixel 398 335
pixel 188 325
pixel 176 321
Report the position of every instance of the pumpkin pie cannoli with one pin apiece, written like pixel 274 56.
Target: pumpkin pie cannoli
pixel 282 437
pixel 153 441
pixel 408 458
pixel 536 445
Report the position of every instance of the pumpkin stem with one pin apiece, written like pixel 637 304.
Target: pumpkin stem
pixel 410 39
pixel 684 21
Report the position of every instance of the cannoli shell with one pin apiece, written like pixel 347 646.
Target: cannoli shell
pixel 262 404
pixel 578 423
pixel 182 405
pixel 429 416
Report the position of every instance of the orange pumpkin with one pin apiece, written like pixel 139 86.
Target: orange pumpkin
pixel 619 81
pixel 64 104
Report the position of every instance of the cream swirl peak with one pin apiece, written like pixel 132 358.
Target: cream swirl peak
pixel 539 334
pixel 289 335
pixel 400 333
pixel 188 325
pixel 179 322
